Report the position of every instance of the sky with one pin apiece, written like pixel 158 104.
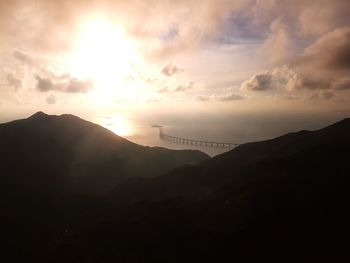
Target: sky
pixel 237 70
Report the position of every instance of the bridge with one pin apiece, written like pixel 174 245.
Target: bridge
pixel 180 140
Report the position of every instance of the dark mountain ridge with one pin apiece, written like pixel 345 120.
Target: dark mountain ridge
pixel 290 193
pixel 79 155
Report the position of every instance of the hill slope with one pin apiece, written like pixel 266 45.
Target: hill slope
pixel 285 199
pixel 67 152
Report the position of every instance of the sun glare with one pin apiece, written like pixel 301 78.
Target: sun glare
pixel 103 53
pixel 120 125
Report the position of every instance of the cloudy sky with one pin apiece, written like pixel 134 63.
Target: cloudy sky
pixel 166 57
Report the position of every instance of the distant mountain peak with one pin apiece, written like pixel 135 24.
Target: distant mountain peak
pixel 343 124
pixel 346 120
pixel 38 115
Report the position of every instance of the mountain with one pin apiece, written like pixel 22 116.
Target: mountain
pixel 285 199
pixel 65 153
pixel 280 200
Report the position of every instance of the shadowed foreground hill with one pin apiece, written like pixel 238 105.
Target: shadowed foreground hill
pixel 284 200
pixel 281 200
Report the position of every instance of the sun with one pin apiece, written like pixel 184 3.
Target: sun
pixel 103 53
pixel 119 124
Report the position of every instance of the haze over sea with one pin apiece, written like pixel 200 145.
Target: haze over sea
pixel 235 128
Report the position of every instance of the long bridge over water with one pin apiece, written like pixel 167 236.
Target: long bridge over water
pixel 180 140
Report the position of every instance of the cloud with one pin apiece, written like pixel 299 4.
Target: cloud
pixel 35 63
pixel 324 95
pixel 318 17
pixel 258 82
pixel 324 65
pixel 164 90
pixel 13 81
pixel 192 23
pixel 181 25
pixel 68 85
pixel 305 17
pixel 46 80
pixel 44 85
pixel 329 55
pixel 51 99
pixel 300 82
pixel 313 96
pixel 188 86
pixel 202 98
pixel 288 79
pixel 224 97
pixel 34 31
pixel 327 95
pixel 23 57
pixel 289 97
pixel 170 70
pixel 342 84
pixel 278 46
pixel 78 86
pixel 230 97
pixel 153 100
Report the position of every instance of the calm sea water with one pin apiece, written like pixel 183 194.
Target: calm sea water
pixel 234 128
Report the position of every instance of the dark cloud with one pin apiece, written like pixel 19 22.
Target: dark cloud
pixel 23 57
pixel 188 86
pixel 329 55
pixel 44 84
pixel 13 81
pixel 170 70
pixel 325 64
pixel 69 85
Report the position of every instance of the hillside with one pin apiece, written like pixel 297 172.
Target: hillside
pixel 49 152
pixel 285 199
pixel 281 200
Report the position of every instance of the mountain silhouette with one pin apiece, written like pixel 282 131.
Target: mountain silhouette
pixel 45 151
pixel 284 199
pixel 281 200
